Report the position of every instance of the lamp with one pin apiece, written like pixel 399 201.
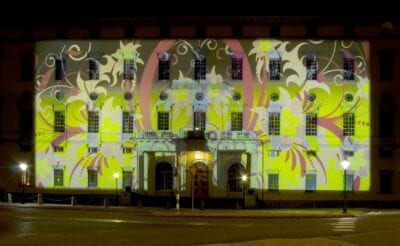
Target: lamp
pixel 116 175
pixel 23 166
pixel 345 164
pixel 244 179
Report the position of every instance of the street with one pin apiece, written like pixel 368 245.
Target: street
pixel 20 226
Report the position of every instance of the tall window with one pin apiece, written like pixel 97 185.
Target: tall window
pixel 311 182
pixel 60 69
pixel 164 176
pixel 235 182
pixel 93 121
pixel 127 180
pixel 311 124
pixel 273 182
pixel 237 68
pixel 94 68
pixel 92 178
pixel 348 68
pixel 274 69
pixel 200 67
pixel 163 121
pixel 348 124
pixel 274 124
pixel 236 121
pixel 163 66
pixel 129 69
pixel 58 177
pixel 59 121
pixel 127 122
pixel 312 67
pixel 386 69
pixel 349 181
pixel 200 121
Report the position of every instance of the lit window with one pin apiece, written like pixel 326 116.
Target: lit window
pixel 312 67
pixel 237 121
pixel 311 124
pixel 274 69
pixel 127 122
pixel 163 121
pixel 129 69
pixel 58 177
pixel 348 69
pixel 59 121
pixel 199 121
pixel 274 124
pixel 237 68
pixel 348 124
pixel 92 178
pixel 93 121
pixel 273 182
pixel 311 182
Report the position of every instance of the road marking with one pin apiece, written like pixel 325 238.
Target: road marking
pixel 345 225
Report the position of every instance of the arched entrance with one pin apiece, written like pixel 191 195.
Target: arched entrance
pixel 200 180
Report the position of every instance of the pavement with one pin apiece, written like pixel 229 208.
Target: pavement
pixel 205 213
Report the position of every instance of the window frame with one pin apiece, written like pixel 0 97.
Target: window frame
pixel 236 121
pixel 163 121
pixel 274 122
pixel 59 121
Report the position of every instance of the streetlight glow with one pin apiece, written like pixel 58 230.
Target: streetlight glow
pixel 23 166
pixel 116 175
pixel 244 177
pixel 345 163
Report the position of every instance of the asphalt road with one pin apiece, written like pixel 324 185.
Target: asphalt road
pixel 32 226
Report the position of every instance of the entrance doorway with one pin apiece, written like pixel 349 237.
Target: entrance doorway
pixel 200 180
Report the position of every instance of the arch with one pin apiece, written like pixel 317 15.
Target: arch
pixel 200 179
pixel 235 172
pixel 164 176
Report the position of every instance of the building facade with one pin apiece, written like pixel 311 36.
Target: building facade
pixel 195 115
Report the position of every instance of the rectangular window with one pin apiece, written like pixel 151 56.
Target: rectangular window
pixel 236 121
pixel 348 124
pixel 127 180
pixel 94 68
pixel 93 121
pixel 163 121
pixel 273 152
pixel 312 67
pixel 129 69
pixel 92 150
pixel 60 69
pixel 163 66
pixel 274 123
pixel 127 122
pixel 311 182
pixel 127 150
pixel 273 182
pixel 348 68
pixel 200 67
pixel 92 178
pixel 274 69
pixel 386 69
pixel 58 177
pixel 349 181
pixel 58 148
pixel 348 153
pixel 199 121
pixel 311 124
pixel 59 121
pixel 237 68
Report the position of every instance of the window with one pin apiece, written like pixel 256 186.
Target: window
pixel 348 124
pixel 348 153
pixel 94 68
pixel 274 124
pixel 163 66
pixel 163 121
pixel 93 121
pixel 311 182
pixel 274 69
pixel 127 150
pixel 164 176
pixel 199 121
pixel 92 178
pixel 235 177
pixel 311 124
pixel 200 65
pixel 348 68
pixel 273 182
pixel 127 180
pixel 127 122
pixel 58 177
pixel 386 69
pixel 385 182
pixel 237 68
pixel 92 150
pixel 273 152
pixel 59 121
pixel 312 67
pixel 58 148
pixel 129 69
pixel 60 69
pixel 236 121
pixel 349 181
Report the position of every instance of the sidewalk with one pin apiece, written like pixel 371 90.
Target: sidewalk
pixel 206 213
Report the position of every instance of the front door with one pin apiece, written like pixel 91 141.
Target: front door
pixel 200 181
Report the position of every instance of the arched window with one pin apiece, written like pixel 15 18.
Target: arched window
pixel 234 177
pixel 164 176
